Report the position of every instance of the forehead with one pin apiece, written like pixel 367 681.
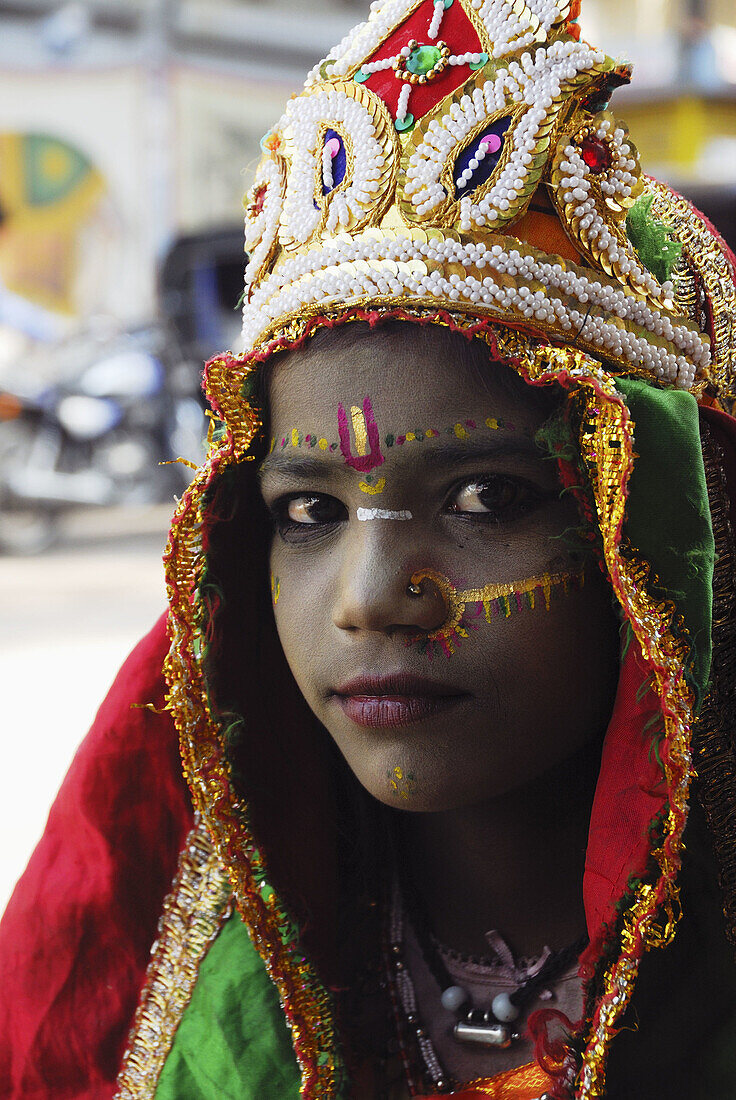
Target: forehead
pixel 415 376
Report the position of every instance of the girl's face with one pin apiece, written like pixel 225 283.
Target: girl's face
pixel 393 460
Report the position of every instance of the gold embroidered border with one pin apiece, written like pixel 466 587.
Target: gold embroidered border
pixel 307 1004
pixel 607 448
pixel 705 256
pixel 193 914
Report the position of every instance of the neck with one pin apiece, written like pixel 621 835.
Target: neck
pixel 514 863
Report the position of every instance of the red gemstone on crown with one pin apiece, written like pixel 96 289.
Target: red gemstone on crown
pixel 596 154
pixel 257 203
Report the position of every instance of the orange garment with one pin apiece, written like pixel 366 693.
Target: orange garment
pixel 524 1083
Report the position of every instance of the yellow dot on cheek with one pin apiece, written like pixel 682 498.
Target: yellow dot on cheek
pixel 322 444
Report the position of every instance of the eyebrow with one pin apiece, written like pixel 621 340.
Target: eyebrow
pixel 435 455
pixel 456 454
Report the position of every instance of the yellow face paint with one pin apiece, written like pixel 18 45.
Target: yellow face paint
pixel 491 601
pixel 372 490
pixel 360 431
pixel 275 589
pixel 367 443
pixel 401 783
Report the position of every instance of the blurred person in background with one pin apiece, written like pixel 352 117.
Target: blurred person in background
pixel 451 628
pixel 698 62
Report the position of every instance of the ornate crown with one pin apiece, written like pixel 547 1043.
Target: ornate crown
pixel 459 154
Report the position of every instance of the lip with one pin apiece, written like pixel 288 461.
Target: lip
pixel 394 699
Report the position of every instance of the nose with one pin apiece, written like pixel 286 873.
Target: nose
pixel 374 589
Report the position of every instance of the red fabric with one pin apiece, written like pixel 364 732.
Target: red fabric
pixel 459 34
pixel 76 936
pixel 628 796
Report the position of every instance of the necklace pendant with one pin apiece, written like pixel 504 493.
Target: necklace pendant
pixel 480 1027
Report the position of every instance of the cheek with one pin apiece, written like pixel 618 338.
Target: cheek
pixel 559 671
pixel 546 688
pixel 300 608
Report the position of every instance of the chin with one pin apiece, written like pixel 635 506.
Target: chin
pixel 406 792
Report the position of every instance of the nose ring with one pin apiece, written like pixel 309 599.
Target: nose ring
pixel 442 589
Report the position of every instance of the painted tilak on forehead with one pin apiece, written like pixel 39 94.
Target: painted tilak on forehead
pixel 366 440
pixel 367 444
pixel 466 606
pixel 461 429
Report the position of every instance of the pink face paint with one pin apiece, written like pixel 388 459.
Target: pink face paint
pixel 367 441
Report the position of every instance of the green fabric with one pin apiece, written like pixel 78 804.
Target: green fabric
pixel 653 240
pixel 232 1043
pixel 668 516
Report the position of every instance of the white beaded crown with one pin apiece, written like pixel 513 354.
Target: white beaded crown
pixel 459 155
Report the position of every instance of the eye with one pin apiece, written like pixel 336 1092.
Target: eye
pixel 303 514
pixel 314 509
pixel 497 497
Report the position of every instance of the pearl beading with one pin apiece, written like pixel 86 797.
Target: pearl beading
pixel 480 155
pixel 584 192
pixel 261 229
pixel 406 992
pixel 509 31
pixel 437 17
pixel 343 271
pixel 328 155
pixel 403 104
pixel 364 39
pixel 539 82
pixel 465 59
pixel 302 126
pixel 397 62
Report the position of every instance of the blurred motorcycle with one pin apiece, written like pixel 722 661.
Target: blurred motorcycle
pixel 98 436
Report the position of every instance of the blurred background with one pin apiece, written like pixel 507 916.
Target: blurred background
pixel 129 130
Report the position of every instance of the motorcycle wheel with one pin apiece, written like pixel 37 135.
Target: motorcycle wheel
pixel 25 529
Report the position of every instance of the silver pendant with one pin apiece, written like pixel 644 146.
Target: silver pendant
pixel 481 1027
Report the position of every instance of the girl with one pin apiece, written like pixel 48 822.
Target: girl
pixel 450 627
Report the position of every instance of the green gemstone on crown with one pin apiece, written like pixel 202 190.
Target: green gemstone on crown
pixel 423 59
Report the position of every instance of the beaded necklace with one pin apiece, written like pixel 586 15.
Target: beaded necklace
pixel 487 1028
